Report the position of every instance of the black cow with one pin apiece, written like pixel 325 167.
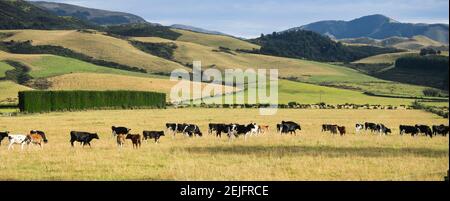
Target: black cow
pixel 370 126
pixel 290 127
pixel 404 129
pixel 82 137
pixel 192 130
pixel 238 129
pixel 152 135
pixel 441 130
pixel 3 135
pixel 120 131
pixel 41 133
pixel 424 129
pixel 213 127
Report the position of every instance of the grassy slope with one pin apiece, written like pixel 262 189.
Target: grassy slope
pixel 95 81
pixel 98 46
pixel 311 155
pixel 50 65
pixel 384 58
pixel 9 89
pixel 214 41
pixel 3 68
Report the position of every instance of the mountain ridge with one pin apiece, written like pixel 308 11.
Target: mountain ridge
pixel 378 27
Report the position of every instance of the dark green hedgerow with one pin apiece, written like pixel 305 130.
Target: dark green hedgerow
pixel 47 101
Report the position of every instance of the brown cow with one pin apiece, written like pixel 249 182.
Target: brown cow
pixel 136 139
pixel 263 129
pixel 341 130
pixel 121 140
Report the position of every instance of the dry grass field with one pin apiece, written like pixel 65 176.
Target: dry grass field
pixel 311 155
pixel 96 81
pixel 215 41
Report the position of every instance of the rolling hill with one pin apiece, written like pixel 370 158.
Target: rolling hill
pixel 415 43
pixel 19 14
pixel 95 16
pixel 99 46
pixel 377 27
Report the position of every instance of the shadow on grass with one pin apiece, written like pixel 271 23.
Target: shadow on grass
pixel 327 151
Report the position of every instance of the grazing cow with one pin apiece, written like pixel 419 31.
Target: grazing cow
pixel 263 129
pixel 213 127
pixel 82 137
pixel 341 130
pixel 135 139
pixel 119 131
pixel 238 130
pixel 404 129
pixel 121 140
pixel 18 139
pixel 290 127
pixel 255 130
pixel 279 127
pixel 382 129
pixel 152 135
pixel 370 126
pixel 171 127
pixel 424 129
pixel 359 127
pixel 328 127
pixel 224 128
pixel 3 135
pixel 192 130
pixel 37 137
pixel 441 130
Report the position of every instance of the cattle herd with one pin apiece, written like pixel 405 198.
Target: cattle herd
pixel 36 137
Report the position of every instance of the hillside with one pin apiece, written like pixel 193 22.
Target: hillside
pixel 415 43
pixel 18 14
pixel 99 46
pixel 195 29
pixel 377 27
pixel 95 16
pixel 215 41
pixel 313 46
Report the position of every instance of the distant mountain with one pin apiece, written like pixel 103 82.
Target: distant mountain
pixel 377 27
pixel 196 29
pixel 18 14
pixel 96 16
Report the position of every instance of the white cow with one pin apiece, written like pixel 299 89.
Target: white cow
pixel 18 139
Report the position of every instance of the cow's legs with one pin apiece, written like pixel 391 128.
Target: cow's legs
pixel 10 145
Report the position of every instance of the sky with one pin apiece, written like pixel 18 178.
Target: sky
pixel 250 18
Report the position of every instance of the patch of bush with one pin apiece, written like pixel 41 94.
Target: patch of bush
pixel 163 50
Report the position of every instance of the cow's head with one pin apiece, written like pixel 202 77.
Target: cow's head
pixel 161 133
pixel 95 136
pixel 388 130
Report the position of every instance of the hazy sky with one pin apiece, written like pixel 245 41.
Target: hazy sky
pixel 250 18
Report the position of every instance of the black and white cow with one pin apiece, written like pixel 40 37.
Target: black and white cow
pixel 359 127
pixel 18 139
pixel 238 130
pixel 3 135
pixel 382 129
pixel 84 138
pixel 120 131
pixel 153 135
pixel 426 130
pixel 371 126
pixel 224 128
pixel 412 130
pixel 192 130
